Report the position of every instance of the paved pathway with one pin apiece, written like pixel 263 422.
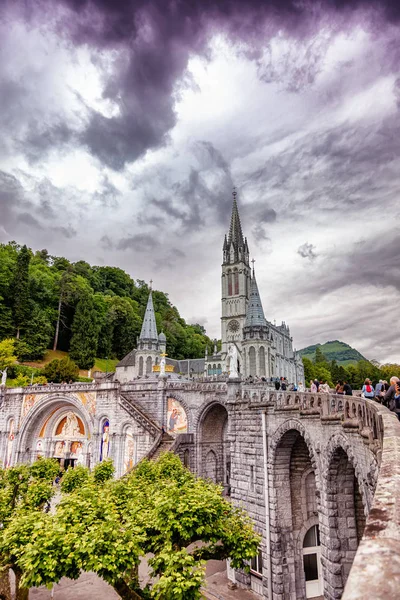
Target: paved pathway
pixel 90 586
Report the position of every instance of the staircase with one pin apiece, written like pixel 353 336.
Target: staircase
pixel 165 445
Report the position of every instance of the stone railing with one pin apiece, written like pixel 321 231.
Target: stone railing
pixel 375 573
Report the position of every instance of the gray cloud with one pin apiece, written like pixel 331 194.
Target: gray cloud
pixel 141 242
pixel 307 250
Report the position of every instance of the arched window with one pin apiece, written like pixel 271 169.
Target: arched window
pixel 219 370
pixel 236 282
pixel 262 361
pixel 252 361
pixel 209 370
pixel 129 450
pixel 149 365
pixel 105 440
pixel 211 466
pixel 229 283
pixel 186 459
pixel 311 499
pixel 141 365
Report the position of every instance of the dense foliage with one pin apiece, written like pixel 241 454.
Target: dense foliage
pixel 160 511
pixel 47 301
pixel 322 369
pixel 24 491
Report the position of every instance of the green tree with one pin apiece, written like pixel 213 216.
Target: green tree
pixel 21 305
pixel 24 490
pixel 309 370
pixel 7 354
pixel 160 508
pixel 319 356
pixel 85 333
pixel 58 371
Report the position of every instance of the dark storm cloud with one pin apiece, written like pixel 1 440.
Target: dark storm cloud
pixel 307 250
pixel 155 40
pixel 108 193
pixel 28 219
pixel 106 243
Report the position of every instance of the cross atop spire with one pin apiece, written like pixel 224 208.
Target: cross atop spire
pixel 253 261
pixel 151 284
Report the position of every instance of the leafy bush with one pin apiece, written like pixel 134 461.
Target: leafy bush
pixel 58 371
pixel 103 471
pixel 74 478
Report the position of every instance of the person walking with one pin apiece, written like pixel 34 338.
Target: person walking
pixel 339 389
pixel 277 385
pixel 324 387
pixel 313 387
pixel 301 387
pixel 396 399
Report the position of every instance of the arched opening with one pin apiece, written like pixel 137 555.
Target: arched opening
pixel 346 521
pixel 214 451
pixel 149 365
pixel 262 361
pixel 141 365
pixel 57 429
pixel 105 440
pixel 186 459
pixel 312 563
pixel 296 495
pixel 129 450
pixel 210 471
pixel 252 361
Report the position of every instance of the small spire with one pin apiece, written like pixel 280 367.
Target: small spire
pixel 253 261
pixel 151 284
pixel 149 327
pixel 254 312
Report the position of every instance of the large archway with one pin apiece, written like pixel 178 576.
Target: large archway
pixel 297 505
pixel 58 429
pixel 214 459
pixel 346 519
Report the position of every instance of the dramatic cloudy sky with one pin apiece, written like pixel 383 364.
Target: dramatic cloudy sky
pixel 125 124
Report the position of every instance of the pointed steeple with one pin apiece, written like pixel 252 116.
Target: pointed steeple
pixel 149 327
pixel 235 234
pixel 254 312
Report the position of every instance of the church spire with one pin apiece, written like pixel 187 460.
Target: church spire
pixel 254 312
pixel 235 234
pixel 149 327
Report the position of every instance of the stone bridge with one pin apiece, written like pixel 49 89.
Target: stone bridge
pixel 320 476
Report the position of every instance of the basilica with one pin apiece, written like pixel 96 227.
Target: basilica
pixel 261 349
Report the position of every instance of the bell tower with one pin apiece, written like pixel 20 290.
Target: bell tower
pixel 235 282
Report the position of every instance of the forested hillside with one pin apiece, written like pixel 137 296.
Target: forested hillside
pixel 342 353
pixel 48 302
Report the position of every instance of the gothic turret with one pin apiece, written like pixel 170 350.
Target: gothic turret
pixel 148 347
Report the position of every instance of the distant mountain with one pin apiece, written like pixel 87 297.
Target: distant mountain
pixel 335 350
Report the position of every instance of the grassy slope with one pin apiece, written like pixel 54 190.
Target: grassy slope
pixel 335 350
pixel 100 365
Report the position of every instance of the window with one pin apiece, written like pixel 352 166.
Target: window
pixel 311 539
pixel 149 365
pixel 141 365
pixel 256 565
pixel 311 499
pixel 229 283
pixel 236 283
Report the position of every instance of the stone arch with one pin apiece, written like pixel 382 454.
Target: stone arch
pixel 44 412
pixel 211 466
pixel 292 459
pixel 212 435
pixel 179 398
pixel 347 506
